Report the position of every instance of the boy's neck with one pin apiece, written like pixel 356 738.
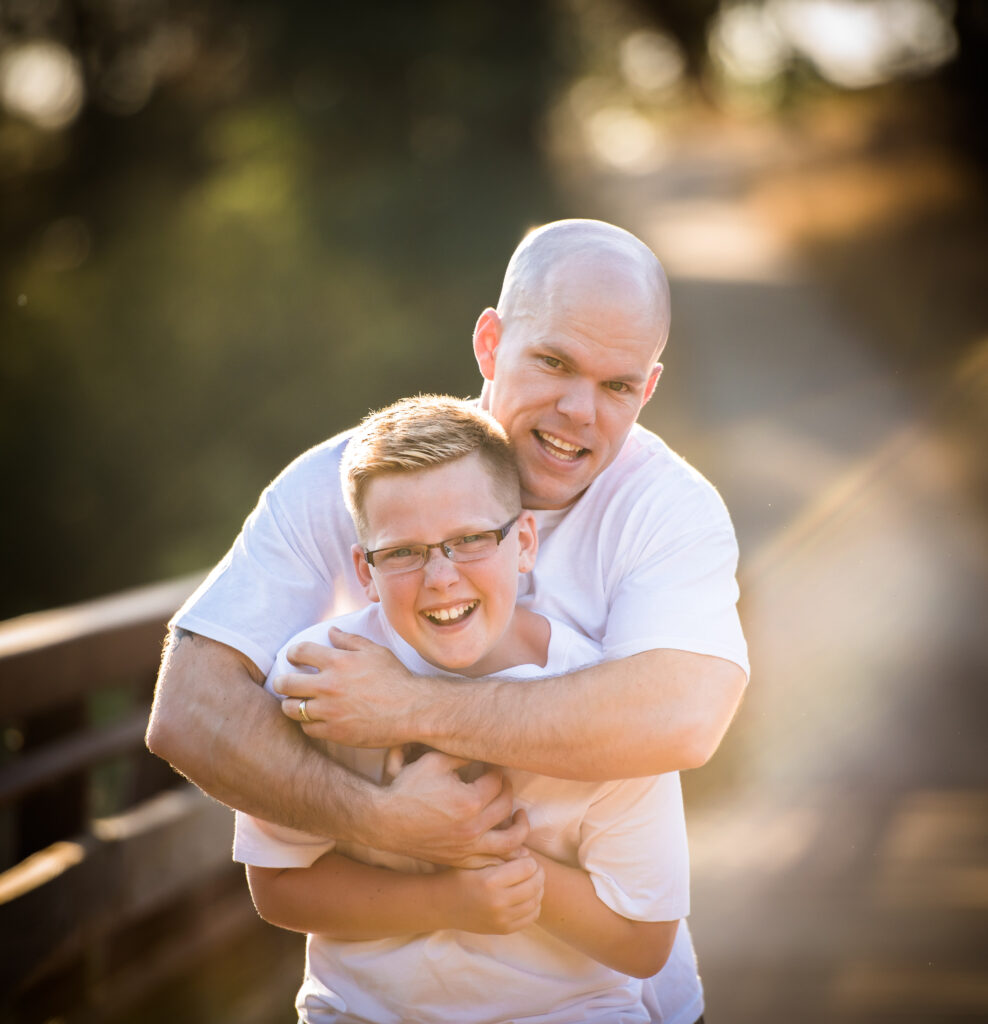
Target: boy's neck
pixel 524 642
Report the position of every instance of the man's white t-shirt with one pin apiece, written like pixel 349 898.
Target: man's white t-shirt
pixel 645 559
pixel 628 835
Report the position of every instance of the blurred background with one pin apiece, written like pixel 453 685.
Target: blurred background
pixel 230 229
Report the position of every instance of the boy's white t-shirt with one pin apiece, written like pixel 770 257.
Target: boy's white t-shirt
pixel 645 559
pixel 629 835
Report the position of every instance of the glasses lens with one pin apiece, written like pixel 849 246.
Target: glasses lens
pixel 474 545
pixel 399 559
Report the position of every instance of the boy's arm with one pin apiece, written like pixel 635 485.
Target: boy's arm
pixel 352 901
pixel 647 714
pixel 214 722
pixel 574 913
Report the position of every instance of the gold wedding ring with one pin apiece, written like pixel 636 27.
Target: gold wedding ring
pixel 302 713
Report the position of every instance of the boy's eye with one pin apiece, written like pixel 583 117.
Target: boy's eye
pixel 393 553
pixel 473 542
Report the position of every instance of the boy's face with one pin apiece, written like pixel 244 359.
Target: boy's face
pixel 455 614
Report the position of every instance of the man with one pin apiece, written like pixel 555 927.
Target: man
pixel 638 552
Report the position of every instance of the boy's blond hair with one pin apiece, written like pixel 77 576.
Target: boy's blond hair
pixel 420 432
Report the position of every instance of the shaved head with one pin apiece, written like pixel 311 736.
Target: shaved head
pixel 568 262
pixel 571 354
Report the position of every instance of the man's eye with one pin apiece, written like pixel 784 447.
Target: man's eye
pixel 552 362
pixel 617 385
pixel 393 553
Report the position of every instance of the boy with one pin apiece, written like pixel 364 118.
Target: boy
pixel 560 934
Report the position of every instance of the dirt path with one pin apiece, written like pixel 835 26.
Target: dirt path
pixel 840 837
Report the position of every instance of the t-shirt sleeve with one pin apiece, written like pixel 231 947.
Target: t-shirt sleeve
pixel 677 587
pixel 286 569
pixel 633 846
pixel 266 845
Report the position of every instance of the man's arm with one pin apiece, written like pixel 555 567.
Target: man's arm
pixel 647 714
pixel 215 723
pixel 353 901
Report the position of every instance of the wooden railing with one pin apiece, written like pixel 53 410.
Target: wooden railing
pixel 115 874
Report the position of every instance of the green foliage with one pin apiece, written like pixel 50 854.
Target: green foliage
pixel 253 269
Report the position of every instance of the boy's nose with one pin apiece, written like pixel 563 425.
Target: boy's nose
pixel 440 571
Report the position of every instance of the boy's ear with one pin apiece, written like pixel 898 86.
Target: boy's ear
pixel 364 573
pixel 486 338
pixel 528 541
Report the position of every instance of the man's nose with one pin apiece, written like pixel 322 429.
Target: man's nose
pixel 578 402
pixel 439 570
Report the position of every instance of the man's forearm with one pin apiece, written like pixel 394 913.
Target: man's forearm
pixel 651 713
pixel 213 721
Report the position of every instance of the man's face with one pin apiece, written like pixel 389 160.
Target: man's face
pixel 567 386
pixel 457 615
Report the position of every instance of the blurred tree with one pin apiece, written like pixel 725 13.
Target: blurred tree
pixel 262 220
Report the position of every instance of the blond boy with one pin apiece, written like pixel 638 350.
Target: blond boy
pixel 564 932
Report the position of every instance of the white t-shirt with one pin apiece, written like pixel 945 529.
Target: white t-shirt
pixel 644 559
pixel 629 835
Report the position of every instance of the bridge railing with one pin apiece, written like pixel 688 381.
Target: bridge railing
pixel 115 874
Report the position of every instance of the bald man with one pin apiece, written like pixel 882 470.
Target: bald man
pixel 636 550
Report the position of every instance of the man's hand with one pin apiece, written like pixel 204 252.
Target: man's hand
pixel 430 813
pixel 359 694
pixel 501 899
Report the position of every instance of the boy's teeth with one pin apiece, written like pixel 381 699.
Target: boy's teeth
pixel 451 614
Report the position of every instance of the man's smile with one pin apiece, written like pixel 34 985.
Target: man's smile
pixel 558 448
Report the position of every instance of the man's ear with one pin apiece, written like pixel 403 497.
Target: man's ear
pixel 486 338
pixel 528 541
pixel 364 573
pixel 653 379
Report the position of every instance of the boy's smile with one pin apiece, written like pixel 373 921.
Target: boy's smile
pixel 458 615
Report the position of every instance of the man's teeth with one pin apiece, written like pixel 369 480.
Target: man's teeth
pixel 571 450
pixel 451 614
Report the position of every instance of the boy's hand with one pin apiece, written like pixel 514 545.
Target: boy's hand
pixel 430 813
pixel 360 694
pixel 500 899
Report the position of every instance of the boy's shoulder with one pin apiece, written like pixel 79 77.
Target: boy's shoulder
pixel 364 622
pixel 569 649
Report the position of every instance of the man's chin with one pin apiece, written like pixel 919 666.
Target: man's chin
pixel 552 498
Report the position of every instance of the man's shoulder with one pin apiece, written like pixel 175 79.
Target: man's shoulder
pixel 319 462
pixel 647 473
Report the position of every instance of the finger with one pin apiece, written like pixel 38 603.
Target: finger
pixel 317 656
pixel 504 842
pixel 491 785
pixel 290 708
pixel 440 762
pixel 294 684
pixel 394 762
pixel 343 641
pixel 513 873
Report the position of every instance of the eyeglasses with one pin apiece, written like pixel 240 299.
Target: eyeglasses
pixel 469 548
